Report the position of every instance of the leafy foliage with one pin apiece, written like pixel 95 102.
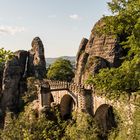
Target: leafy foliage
pixel 4 55
pixel 47 124
pixel 82 127
pixel 121 132
pixel 125 24
pixel 125 78
pixel 136 128
pixel 49 127
pixel 61 69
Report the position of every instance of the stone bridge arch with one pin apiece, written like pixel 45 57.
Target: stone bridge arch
pixel 67 105
pixel 105 117
pixel 67 100
pixel 59 95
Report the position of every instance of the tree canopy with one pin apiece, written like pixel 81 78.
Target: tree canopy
pixel 61 69
pixel 4 55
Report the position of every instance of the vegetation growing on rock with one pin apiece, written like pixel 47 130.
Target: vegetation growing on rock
pixel 126 25
pixel 4 55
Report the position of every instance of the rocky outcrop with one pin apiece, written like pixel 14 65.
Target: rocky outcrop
pixel 1 75
pixel 24 64
pixel 81 59
pixel 12 76
pixel 36 63
pixel 96 53
pixel 82 48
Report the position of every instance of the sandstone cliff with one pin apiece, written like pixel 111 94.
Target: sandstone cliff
pixel 24 64
pixel 12 76
pixel 96 53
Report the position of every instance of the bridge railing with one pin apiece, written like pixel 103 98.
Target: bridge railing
pixel 63 85
pixel 80 93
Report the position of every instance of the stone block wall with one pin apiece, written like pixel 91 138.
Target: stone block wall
pixel 124 109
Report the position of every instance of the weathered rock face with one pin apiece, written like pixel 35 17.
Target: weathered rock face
pixel 16 71
pixel 81 60
pixel 36 63
pixel 12 76
pixel 22 59
pixel 96 53
pixel 82 48
pixel 13 79
pixel 1 75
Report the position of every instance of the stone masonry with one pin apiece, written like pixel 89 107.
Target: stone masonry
pixel 81 98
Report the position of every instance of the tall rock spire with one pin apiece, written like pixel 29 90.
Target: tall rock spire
pixel 36 62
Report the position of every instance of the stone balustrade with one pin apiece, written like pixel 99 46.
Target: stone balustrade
pixel 63 85
pixel 58 89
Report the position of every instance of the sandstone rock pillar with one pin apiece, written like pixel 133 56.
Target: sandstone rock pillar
pixel 13 74
pixel 36 60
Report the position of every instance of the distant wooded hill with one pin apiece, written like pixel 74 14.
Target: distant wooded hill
pixel 49 60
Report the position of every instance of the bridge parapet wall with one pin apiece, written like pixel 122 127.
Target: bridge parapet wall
pixel 44 95
pixel 77 92
pixel 68 86
pixel 58 84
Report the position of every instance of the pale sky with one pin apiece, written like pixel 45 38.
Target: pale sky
pixel 61 24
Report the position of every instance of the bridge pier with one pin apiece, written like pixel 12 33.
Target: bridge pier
pixel 44 96
pixel 85 101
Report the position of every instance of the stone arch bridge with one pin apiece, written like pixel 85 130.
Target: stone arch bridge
pixel 82 98
pixel 70 96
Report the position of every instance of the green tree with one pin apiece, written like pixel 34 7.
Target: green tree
pixel 29 127
pixel 125 24
pixel 83 127
pixel 4 56
pixel 61 69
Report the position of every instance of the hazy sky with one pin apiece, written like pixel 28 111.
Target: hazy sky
pixel 61 24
